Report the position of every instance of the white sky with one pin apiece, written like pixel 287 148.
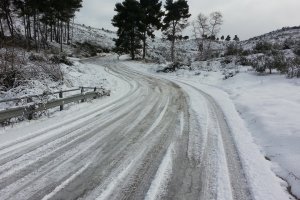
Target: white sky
pixel 246 18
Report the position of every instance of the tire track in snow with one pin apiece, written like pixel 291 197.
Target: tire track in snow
pixel 239 189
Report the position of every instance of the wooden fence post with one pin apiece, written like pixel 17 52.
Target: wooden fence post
pixel 61 96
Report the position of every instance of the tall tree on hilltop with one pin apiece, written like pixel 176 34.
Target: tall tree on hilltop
pixel 152 15
pixel 177 14
pixel 236 38
pixel 128 20
pixel 228 38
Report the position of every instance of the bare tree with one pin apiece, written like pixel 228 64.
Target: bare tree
pixel 215 23
pixel 206 30
pixel 203 25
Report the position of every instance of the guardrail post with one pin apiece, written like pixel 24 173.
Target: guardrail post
pixel 29 100
pixel 61 96
pixel 82 93
pixel 31 112
pixel 30 109
pixel 95 90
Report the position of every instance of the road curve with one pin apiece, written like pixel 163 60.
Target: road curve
pixel 147 145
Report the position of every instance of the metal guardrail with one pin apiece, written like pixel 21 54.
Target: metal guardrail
pixel 31 108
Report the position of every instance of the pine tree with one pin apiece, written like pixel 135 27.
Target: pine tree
pixel 212 37
pixel 5 12
pixel 41 16
pixel 128 20
pixel 236 38
pixel 222 38
pixel 2 16
pixel 152 15
pixel 175 21
pixel 228 38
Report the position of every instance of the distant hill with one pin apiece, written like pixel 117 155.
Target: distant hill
pixel 291 34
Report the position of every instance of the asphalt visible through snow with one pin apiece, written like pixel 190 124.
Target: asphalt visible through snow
pixel 146 145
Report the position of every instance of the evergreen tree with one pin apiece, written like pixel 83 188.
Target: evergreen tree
pixel 177 14
pixel 2 16
pixel 236 38
pixel 152 15
pixel 128 20
pixel 222 38
pixel 212 37
pixel 5 12
pixel 228 38
pixel 41 16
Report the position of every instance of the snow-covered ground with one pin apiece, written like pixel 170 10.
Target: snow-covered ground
pixel 270 107
pixel 231 163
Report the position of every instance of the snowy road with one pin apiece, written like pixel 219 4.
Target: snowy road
pixel 147 144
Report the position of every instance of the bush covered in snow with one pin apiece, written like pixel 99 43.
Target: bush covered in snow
pixel 233 49
pixel 172 67
pixel 17 67
pixel 294 68
pixel 269 62
pixel 263 47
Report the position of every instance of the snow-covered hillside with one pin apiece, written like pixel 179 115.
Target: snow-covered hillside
pixel 279 36
pixel 100 37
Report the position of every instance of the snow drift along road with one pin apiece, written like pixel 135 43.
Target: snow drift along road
pixel 148 144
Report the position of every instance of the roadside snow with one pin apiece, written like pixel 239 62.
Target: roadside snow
pixel 271 106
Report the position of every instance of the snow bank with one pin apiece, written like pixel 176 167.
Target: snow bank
pixel 258 171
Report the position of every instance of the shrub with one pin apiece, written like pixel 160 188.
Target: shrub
pixel 259 64
pixel 61 58
pixel 279 62
pixel 274 60
pixel 263 47
pixel 296 49
pixel 90 49
pixel 226 61
pixel 36 57
pixel 294 68
pixel 233 49
pixel 246 52
pixel 242 60
pixel 171 67
pixel 10 79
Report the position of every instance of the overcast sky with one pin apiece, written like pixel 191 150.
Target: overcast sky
pixel 246 18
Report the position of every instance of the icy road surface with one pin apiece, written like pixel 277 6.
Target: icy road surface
pixel 146 144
